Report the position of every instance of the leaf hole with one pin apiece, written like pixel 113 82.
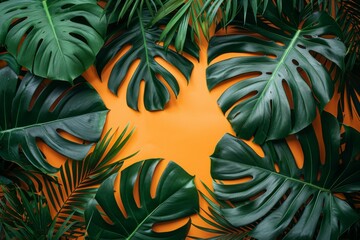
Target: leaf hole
pixel 301 46
pixel 136 193
pixel 308 36
pixel 295 62
pixel 304 76
pixel 318 175
pixel 78 36
pixel 69 136
pixel 257 195
pixel 69 5
pixel 296 150
pixel 288 93
pixel 117 194
pixel 60 97
pixel 237 181
pixel 276 166
pixel 81 20
pixel 37 93
pixel 170 225
pixel 159 169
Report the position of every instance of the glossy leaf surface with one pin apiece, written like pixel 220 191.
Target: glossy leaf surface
pixel 282 199
pixel 285 83
pixel 53 39
pixel 79 181
pixel 143 42
pixel 176 197
pixel 35 109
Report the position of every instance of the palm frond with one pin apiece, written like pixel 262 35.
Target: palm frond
pixel 79 181
pixel 118 10
pixel 26 215
pixel 185 15
pixel 219 227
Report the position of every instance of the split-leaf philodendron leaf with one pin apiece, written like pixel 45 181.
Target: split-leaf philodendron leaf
pixel 282 199
pixel 144 46
pixel 53 39
pixel 288 82
pixel 36 109
pixel 176 197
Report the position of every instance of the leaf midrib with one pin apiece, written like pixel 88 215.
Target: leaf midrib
pixel 46 123
pixel 150 214
pixel 286 177
pixel 281 62
pixel 48 15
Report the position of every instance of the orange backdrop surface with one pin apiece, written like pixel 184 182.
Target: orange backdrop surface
pixel 186 132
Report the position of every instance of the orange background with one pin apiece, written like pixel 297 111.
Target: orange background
pixel 186 132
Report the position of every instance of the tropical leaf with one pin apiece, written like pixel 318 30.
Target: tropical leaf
pixel 36 109
pixel 144 47
pixel 79 181
pixel 225 11
pixel 9 60
pixel 25 215
pixel 286 83
pixel 220 228
pixel 285 200
pixel 349 20
pixel 117 10
pixel 178 28
pixel 176 197
pixel 53 39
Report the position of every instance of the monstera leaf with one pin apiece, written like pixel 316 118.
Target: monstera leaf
pixel 284 83
pixel 176 197
pixel 37 109
pixel 144 47
pixel 53 39
pixel 284 200
pixel 79 181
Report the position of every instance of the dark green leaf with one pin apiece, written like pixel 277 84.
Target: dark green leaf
pixel 117 10
pixel 176 197
pixel 291 202
pixel 25 215
pixel 281 52
pixel 182 13
pixel 39 110
pixel 79 180
pixel 144 47
pixel 53 39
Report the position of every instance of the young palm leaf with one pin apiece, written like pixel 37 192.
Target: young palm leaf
pixel 36 109
pixel 178 28
pixel 225 11
pixel 349 21
pixel 25 215
pixel 220 228
pixel 118 10
pixel 286 83
pixel 79 181
pixel 288 201
pixel 176 197
pixel 53 39
pixel 144 47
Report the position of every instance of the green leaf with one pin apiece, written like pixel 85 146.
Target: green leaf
pixel 117 10
pixel 25 215
pixel 79 180
pixel 53 39
pixel 182 13
pixel 225 11
pixel 176 197
pixel 144 47
pixel 290 202
pixel 281 51
pixel 37 109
